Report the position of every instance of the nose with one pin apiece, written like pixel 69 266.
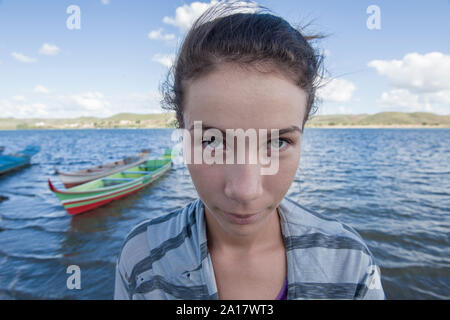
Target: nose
pixel 243 182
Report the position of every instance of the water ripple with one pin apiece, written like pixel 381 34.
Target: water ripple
pixel 390 185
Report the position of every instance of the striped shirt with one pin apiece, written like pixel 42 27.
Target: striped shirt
pixel 167 258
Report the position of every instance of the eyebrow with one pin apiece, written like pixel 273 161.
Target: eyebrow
pixel 290 129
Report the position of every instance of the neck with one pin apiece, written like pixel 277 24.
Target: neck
pixel 266 236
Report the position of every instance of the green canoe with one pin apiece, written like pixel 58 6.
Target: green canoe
pixel 96 193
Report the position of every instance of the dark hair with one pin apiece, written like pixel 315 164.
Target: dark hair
pixel 247 39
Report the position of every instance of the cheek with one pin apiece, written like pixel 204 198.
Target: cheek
pixel 205 178
pixel 280 182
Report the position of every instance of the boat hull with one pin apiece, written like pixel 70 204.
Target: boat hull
pixel 77 202
pixel 78 209
pixel 17 161
pixel 74 179
pixel 7 169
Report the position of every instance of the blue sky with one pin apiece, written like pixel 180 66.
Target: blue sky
pixel 116 60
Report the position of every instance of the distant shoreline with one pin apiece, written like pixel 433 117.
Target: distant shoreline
pixel 380 127
pixel 307 127
pixel 383 120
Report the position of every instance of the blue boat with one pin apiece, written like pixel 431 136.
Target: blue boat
pixel 18 160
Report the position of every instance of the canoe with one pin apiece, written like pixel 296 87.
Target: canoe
pixel 101 191
pixel 72 179
pixel 17 160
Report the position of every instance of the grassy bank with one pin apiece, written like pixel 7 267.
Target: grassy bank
pixel 381 120
pixel 167 120
pixel 122 120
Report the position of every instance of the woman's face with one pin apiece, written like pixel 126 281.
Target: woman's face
pixel 237 196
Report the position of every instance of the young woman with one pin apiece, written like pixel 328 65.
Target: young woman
pixel 243 238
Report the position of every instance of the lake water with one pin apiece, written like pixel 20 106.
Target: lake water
pixel 391 185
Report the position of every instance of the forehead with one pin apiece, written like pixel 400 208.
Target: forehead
pixel 232 97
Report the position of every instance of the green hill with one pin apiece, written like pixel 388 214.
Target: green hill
pixel 167 120
pixel 123 120
pixel 388 118
pixel 394 119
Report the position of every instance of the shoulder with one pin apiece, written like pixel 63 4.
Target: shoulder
pixel 145 248
pixel 153 232
pixel 322 230
pixel 330 251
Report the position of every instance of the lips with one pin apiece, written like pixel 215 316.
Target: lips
pixel 242 215
pixel 242 218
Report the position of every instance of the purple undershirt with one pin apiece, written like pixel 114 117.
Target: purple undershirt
pixel 283 293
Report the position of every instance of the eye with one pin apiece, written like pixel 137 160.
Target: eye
pixel 213 143
pixel 279 143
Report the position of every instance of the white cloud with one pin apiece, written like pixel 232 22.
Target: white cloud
pixel 159 35
pixel 38 110
pixel 336 90
pixel 49 49
pixel 73 105
pixel 418 82
pixel 418 73
pixel 147 102
pixel 186 15
pixel 19 98
pixel 91 101
pixel 41 89
pixel 22 58
pixel 400 98
pixel 345 110
pixel 406 101
pixel 164 59
pixel 97 104
pixel 57 106
pixel 442 97
pixel 19 108
pixel 105 2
